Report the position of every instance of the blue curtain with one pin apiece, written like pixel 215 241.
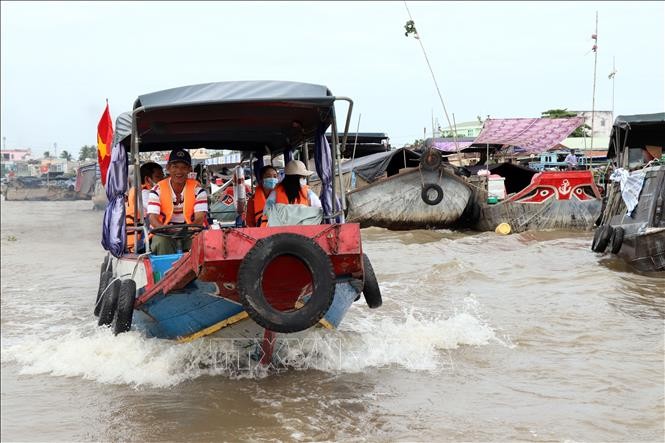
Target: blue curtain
pixel 114 234
pixel 323 162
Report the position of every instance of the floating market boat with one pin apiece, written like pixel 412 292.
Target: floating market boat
pixel 401 189
pixel 235 281
pixel 632 224
pixel 57 188
pixel 524 198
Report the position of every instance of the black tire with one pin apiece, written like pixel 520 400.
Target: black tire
pixel 617 240
pixel 250 277
pixel 424 194
pixel 109 303
pixel 371 289
pixel 431 159
pixel 125 307
pixel 104 279
pixel 601 238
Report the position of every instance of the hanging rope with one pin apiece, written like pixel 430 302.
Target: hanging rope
pixel 410 28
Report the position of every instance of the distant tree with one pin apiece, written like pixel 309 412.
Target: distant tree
pixel 47 154
pixel 66 155
pixel 581 131
pixel 87 152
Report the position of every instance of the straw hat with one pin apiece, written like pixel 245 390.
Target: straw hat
pixel 296 167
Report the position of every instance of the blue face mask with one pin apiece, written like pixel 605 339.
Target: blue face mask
pixel 269 183
pixel 303 181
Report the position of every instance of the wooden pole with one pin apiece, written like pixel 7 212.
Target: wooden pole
pixel 593 98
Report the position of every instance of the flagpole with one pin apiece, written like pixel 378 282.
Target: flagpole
pixel 593 98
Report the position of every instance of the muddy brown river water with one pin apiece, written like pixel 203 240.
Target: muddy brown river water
pixel 527 337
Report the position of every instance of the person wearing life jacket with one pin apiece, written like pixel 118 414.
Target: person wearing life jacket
pixel 176 199
pixel 293 189
pixel 151 173
pixel 269 178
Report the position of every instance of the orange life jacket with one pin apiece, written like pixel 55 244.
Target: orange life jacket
pixel 166 201
pixel 301 199
pixel 259 203
pixel 130 216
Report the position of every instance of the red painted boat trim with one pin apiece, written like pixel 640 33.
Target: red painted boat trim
pixel 561 185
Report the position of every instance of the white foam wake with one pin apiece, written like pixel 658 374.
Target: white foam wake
pixel 412 340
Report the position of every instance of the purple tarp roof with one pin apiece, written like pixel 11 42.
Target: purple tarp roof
pixel 531 134
pixel 450 146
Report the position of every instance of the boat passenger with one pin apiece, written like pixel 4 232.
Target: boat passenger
pixel 269 178
pixel 293 189
pixel 571 161
pixel 151 173
pixel 175 200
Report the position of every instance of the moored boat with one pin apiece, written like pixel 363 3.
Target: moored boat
pixel 632 224
pixel 519 198
pixel 235 281
pixel 400 189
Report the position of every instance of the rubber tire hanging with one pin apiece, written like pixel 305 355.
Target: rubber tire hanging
pixel 424 194
pixel 109 303
pixel 104 280
pixel 601 238
pixel 250 277
pixel 431 159
pixel 371 290
pixel 125 307
pixel 616 240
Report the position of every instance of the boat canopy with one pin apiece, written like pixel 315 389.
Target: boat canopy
pixel 636 131
pixel 239 115
pixel 533 135
pixel 449 144
pixel 374 166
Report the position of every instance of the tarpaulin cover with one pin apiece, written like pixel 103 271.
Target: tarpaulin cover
pixel 450 146
pixel 636 131
pixel 533 135
pixel 114 235
pixel 323 164
pixel 373 166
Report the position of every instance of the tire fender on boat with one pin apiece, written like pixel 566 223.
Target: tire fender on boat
pixel 616 240
pixel 601 238
pixel 250 278
pixel 104 280
pixel 424 194
pixel 109 303
pixel 125 307
pixel 431 159
pixel 371 289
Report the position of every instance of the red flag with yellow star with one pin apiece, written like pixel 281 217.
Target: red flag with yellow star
pixel 104 141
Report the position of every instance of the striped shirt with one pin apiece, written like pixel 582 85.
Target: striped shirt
pixel 155 205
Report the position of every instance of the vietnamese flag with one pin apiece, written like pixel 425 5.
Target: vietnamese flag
pixel 104 141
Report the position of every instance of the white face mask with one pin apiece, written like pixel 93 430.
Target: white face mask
pixel 303 181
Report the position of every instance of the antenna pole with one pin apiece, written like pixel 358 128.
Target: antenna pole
pixel 593 98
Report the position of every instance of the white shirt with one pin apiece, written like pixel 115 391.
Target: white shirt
pixel 155 204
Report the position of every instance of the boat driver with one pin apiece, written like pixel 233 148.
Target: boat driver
pixel 176 200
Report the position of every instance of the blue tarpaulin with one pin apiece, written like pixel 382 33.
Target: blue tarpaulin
pixel 114 234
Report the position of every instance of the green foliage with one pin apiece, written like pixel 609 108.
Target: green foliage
pixel 88 152
pixel 582 131
pixel 47 154
pixel 410 28
pixel 66 155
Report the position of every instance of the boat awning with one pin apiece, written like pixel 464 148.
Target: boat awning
pixel 240 115
pixel 374 166
pixel 533 135
pixel 636 131
pixel 448 144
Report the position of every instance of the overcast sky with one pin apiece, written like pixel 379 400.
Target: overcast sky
pixel 60 61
